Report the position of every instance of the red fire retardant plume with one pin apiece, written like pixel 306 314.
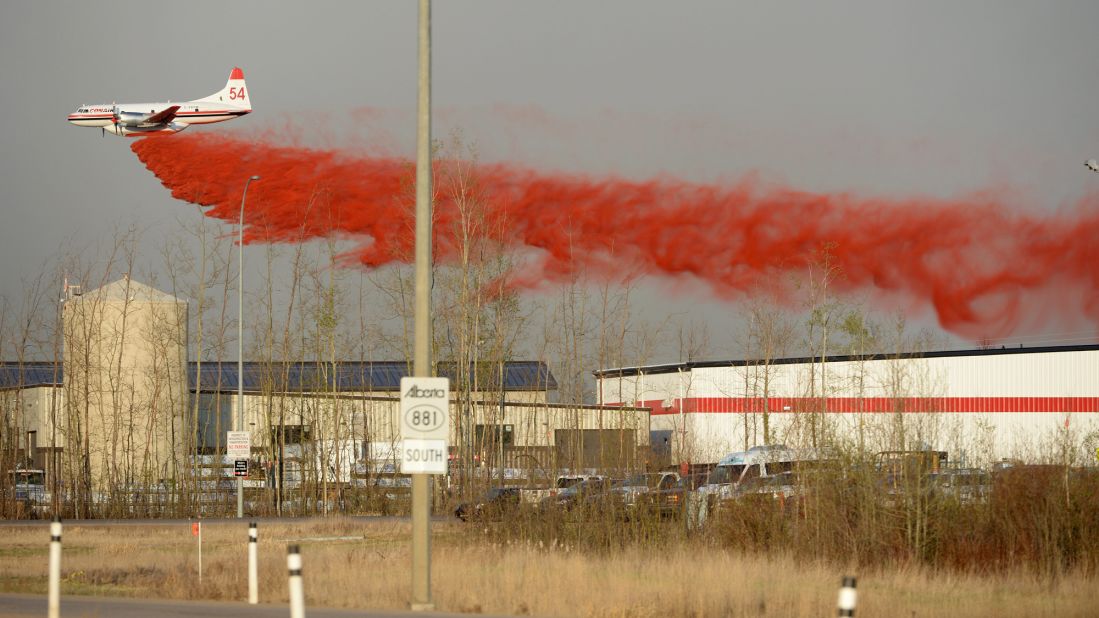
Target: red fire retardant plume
pixel 982 267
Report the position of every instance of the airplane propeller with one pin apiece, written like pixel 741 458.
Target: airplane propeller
pixel 114 119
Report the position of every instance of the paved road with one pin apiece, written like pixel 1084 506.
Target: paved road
pixel 28 605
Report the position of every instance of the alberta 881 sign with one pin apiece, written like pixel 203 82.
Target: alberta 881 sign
pixel 425 425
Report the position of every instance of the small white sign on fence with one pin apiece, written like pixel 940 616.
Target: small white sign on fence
pixel 238 444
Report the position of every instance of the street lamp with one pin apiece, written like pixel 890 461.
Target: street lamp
pixel 1092 165
pixel 240 340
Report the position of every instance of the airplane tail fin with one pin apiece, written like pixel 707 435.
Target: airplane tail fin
pixel 234 93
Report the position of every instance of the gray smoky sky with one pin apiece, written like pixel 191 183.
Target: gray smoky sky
pixel 876 98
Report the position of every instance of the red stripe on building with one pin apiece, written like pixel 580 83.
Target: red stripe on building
pixel 740 405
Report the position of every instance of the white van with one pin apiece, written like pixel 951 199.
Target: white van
pixel 736 469
pixel 756 462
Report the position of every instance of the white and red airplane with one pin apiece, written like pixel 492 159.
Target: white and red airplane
pixel 138 119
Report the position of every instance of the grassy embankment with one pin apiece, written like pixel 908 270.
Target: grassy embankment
pixel 350 564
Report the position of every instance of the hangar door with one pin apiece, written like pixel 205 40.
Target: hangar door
pixel 595 448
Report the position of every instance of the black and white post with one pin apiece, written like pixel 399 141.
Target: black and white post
pixel 54 607
pixel 253 570
pixel 297 593
pixel 847 597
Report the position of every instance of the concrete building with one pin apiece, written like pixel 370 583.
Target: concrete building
pixel 125 385
pixel 1037 404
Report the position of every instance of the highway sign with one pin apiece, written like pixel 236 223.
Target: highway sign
pixel 425 408
pixel 425 425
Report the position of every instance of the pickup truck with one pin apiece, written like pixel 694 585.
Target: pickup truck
pixel 672 501
pixel 28 486
pixel 639 491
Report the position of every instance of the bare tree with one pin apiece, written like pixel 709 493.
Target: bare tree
pixel 197 264
pixel 770 334
pixel 862 339
pixel 276 353
pixel 18 442
pixel 478 313
pixel 822 307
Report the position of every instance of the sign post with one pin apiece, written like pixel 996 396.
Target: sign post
pixel 422 338
pixel 425 429
pixel 196 531
pixel 238 447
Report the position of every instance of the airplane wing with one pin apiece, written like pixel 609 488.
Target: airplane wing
pixel 162 117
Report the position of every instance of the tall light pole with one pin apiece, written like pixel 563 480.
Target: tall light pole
pixel 421 358
pixel 240 339
pixel 500 449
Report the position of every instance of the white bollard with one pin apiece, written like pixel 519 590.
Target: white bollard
pixel 297 594
pixel 253 575
pixel 847 597
pixel 54 608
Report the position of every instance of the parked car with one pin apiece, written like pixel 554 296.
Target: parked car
pixel 966 485
pixel 578 494
pixel 495 504
pixel 565 481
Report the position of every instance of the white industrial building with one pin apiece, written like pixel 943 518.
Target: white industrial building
pixel 1034 404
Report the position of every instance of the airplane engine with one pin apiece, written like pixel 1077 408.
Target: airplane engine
pixel 130 119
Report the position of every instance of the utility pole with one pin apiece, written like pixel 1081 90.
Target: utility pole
pixel 421 365
pixel 240 339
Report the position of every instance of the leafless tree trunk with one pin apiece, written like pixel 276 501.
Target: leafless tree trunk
pixel 822 271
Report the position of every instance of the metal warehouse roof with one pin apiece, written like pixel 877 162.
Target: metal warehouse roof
pixel 687 366
pixel 304 376
pixel 28 375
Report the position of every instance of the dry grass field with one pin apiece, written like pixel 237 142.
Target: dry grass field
pixel 355 564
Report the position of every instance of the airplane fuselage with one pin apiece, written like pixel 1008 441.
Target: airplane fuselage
pixel 130 115
pixel 138 119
